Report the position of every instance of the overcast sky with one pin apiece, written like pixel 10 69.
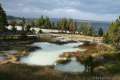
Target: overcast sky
pixel 101 10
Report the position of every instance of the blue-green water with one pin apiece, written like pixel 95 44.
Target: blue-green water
pixel 49 53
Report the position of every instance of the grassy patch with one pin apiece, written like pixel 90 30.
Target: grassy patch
pixel 2 53
pixel 113 68
pixel 25 72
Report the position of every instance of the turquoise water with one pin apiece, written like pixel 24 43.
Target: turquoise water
pixel 49 54
pixel 72 66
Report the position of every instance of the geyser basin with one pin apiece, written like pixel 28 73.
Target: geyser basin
pixel 49 53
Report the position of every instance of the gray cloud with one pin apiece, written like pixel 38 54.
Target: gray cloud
pixel 107 10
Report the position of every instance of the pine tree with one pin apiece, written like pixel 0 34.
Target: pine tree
pixel 67 25
pixel 13 24
pixel 3 19
pixel 86 29
pixel 40 22
pixel 91 31
pixel 47 23
pixel 113 34
pixel 61 24
pixel 72 26
pixel 100 32
pixel 23 23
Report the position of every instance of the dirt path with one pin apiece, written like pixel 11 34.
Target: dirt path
pixel 77 37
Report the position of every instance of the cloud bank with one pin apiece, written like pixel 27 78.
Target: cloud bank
pixel 103 10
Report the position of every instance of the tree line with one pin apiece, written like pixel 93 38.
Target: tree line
pixel 64 25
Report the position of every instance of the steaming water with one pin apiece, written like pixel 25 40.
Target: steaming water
pixel 72 66
pixel 49 53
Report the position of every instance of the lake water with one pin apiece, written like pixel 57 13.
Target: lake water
pixel 49 53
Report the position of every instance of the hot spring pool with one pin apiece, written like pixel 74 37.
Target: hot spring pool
pixel 49 53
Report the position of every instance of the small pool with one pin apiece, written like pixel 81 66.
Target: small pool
pixel 49 53
pixel 72 67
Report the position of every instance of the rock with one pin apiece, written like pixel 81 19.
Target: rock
pixel 100 70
